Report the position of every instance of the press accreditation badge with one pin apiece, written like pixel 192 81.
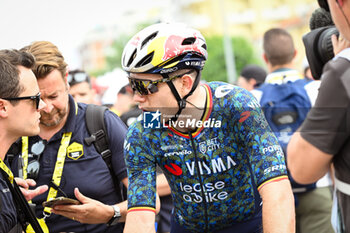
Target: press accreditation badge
pixel 75 151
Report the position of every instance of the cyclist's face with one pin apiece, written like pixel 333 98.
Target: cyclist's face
pixel 162 100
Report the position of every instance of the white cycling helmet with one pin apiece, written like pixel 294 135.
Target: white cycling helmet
pixel 164 48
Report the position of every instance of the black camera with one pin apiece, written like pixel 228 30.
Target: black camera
pixel 318 42
pixel 319 48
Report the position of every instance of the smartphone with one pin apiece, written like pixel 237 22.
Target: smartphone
pixel 60 201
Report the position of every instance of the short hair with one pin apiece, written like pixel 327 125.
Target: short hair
pixel 194 73
pixel 73 81
pixel 9 73
pixel 254 72
pixel 47 58
pixel 278 46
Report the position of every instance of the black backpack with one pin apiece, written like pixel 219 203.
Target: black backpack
pixel 94 118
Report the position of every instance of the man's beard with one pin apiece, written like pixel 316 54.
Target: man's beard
pixel 53 118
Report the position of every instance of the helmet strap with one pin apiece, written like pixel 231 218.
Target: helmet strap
pixel 181 102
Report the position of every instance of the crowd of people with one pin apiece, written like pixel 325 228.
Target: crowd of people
pixel 178 154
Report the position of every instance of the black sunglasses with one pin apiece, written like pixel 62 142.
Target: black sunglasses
pixel 33 168
pixel 77 78
pixel 35 98
pixel 146 87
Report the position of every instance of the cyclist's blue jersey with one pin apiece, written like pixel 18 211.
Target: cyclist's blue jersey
pixel 214 173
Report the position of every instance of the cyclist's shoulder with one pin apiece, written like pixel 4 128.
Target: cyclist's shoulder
pixel 140 132
pixel 231 99
pixel 221 89
pixel 137 129
pixel 223 92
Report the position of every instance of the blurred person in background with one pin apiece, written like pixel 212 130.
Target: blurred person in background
pixel 307 73
pixel 80 87
pixel 307 70
pixel 286 97
pixel 324 137
pixel 251 77
pixel 124 101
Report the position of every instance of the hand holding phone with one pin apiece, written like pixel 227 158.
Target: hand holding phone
pixel 60 201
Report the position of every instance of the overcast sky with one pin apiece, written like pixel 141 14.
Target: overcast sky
pixel 63 22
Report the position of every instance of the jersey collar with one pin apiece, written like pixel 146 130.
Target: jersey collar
pixel 207 112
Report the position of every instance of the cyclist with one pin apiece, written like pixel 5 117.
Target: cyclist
pixel 212 142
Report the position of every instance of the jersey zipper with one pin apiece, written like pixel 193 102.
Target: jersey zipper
pixel 201 183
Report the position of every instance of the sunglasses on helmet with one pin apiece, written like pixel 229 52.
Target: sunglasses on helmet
pixel 146 87
pixel 35 98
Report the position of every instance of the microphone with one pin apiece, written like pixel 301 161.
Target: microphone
pixel 318 42
pixel 320 18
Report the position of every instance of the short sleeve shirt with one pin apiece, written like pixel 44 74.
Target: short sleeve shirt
pixel 84 168
pixel 215 172
pixel 327 126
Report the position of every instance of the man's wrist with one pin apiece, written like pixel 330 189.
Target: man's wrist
pixel 116 215
pixel 110 212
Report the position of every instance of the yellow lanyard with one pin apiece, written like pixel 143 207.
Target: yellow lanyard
pixel 25 156
pixel 57 174
pixel 25 148
pixel 56 177
pixel 7 170
pixel 10 177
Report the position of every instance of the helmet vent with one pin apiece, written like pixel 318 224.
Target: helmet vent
pixel 204 46
pixel 188 41
pixel 147 59
pixel 132 57
pixel 148 38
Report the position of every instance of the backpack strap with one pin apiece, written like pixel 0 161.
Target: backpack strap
pixel 96 127
pixel 95 124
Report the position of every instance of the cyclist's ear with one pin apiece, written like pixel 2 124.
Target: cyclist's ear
pixel 186 83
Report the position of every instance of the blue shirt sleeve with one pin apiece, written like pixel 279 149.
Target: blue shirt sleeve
pixel 265 153
pixel 141 169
